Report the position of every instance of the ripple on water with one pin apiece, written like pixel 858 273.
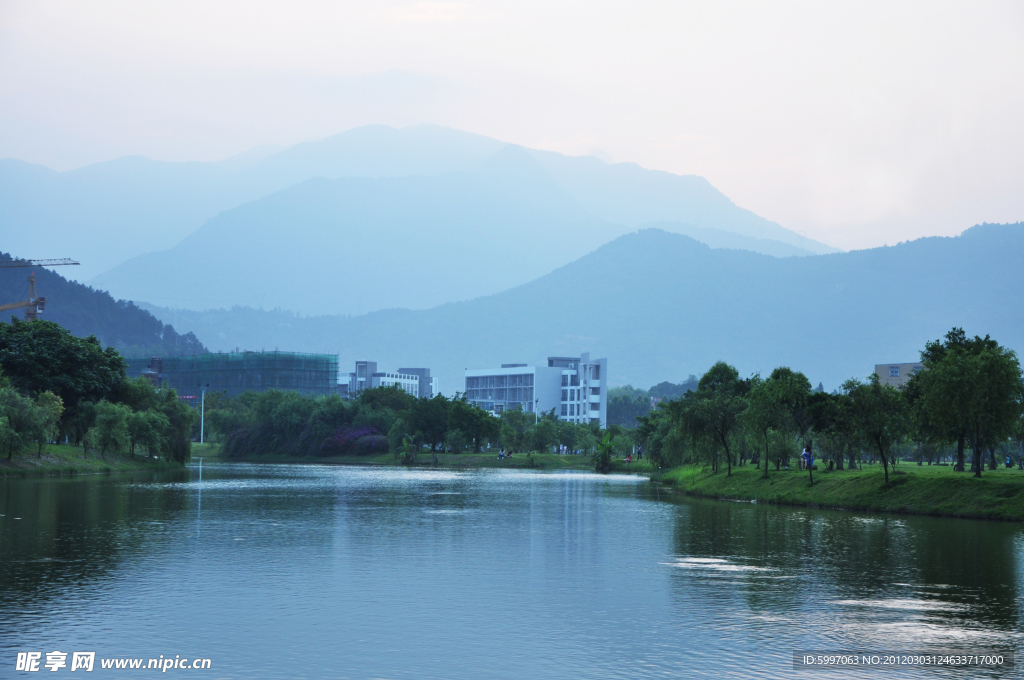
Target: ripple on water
pixel 333 572
pixel 712 564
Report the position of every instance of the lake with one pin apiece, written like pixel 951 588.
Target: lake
pixel 305 571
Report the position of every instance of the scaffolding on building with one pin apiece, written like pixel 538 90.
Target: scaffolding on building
pixel 238 372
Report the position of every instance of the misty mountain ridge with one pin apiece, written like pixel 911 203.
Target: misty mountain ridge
pixel 355 245
pixel 106 213
pixel 85 311
pixel 663 306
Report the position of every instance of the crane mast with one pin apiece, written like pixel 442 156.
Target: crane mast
pixel 35 304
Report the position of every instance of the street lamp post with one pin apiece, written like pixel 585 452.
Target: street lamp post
pixel 202 413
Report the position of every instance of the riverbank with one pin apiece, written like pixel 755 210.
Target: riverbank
pixel 518 461
pixel 924 490
pixel 61 459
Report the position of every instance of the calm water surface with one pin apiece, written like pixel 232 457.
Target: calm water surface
pixel 343 572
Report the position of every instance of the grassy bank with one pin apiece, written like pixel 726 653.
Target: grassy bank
pixel 925 490
pixel 59 459
pixel 537 461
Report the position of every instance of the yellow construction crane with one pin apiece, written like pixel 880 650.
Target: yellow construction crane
pixel 34 305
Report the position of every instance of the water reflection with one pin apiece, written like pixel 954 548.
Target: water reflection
pixel 842 581
pixel 323 572
pixel 70 532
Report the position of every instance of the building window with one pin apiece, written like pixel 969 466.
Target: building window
pixel 595 407
pixel 894 371
pixel 565 409
pixel 565 396
pixel 565 380
pixel 596 391
pixel 597 372
pixel 575 380
pixel 572 409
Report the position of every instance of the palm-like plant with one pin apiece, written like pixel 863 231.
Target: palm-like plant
pixel 603 456
pixel 407 451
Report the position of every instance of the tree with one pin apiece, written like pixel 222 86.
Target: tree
pixel 710 416
pixel 543 435
pixel 585 441
pixel 391 397
pixel 8 437
pixel 455 441
pixel 21 416
pixel 472 421
pixel 879 414
pixel 146 429
pixel 40 356
pixel 995 404
pixel 81 422
pixel 661 435
pixel 111 430
pixel 139 394
pixel 181 419
pixel 970 390
pixel 794 392
pixel 832 422
pixel 512 432
pixel 429 417
pixel 765 412
pixel 46 423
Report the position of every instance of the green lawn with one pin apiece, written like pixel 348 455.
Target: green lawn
pixel 925 490
pixel 60 459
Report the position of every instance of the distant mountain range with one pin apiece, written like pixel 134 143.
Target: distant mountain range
pixel 448 215
pixel 85 311
pixel 433 247
pixel 663 306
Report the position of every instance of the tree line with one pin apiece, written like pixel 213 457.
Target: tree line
pixel 57 387
pixel 388 419
pixel 968 394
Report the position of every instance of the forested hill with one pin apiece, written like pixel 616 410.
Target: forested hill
pixel 85 311
pixel 661 305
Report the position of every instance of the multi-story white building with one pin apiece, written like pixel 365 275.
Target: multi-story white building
pixel 366 376
pixel 575 387
pixel 429 385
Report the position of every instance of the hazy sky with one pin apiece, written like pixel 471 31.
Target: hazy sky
pixel 858 124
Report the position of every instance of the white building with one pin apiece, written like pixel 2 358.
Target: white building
pixel 430 387
pixel 575 387
pixel 366 376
